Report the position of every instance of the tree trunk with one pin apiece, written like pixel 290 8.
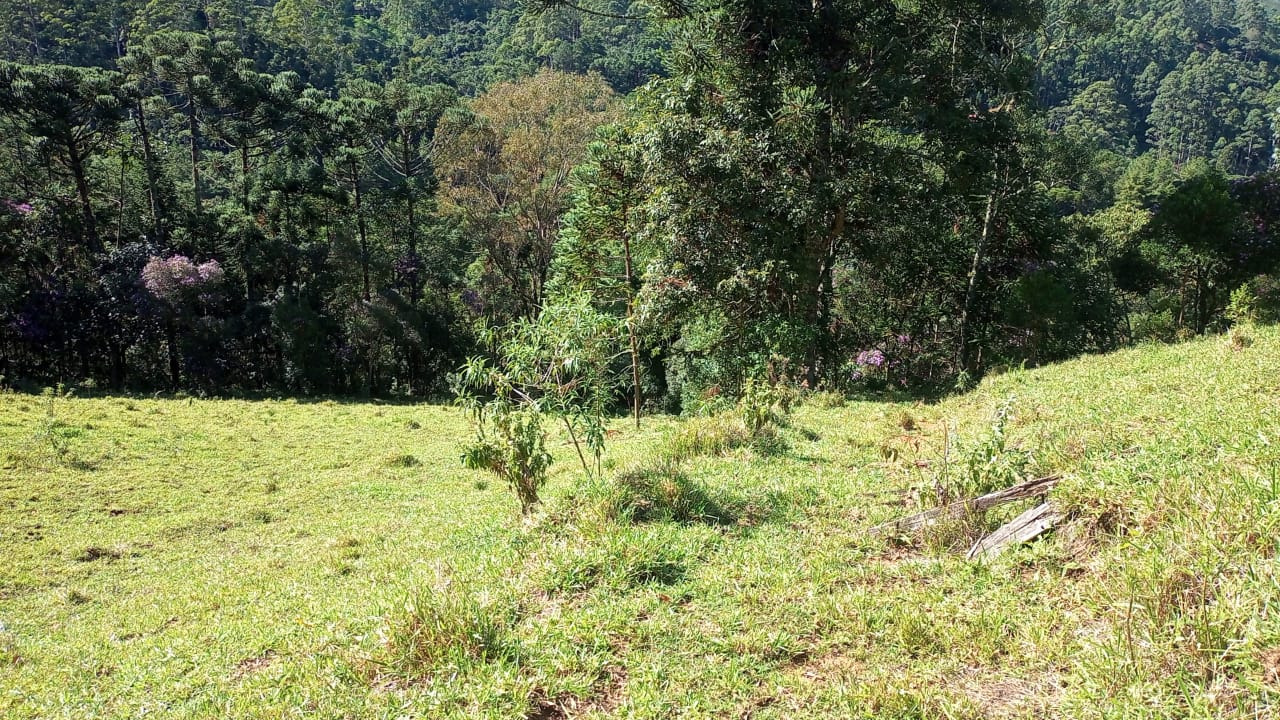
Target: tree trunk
pixel 193 130
pixel 631 320
pixel 82 191
pixel 405 146
pixel 171 337
pixel 823 36
pixel 149 165
pixel 360 229
pixel 244 177
pixel 971 292
pixel 825 290
pixel 120 197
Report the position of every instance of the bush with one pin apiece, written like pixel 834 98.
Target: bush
pixel 989 464
pixel 516 452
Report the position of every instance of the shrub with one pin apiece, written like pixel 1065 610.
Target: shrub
pixel 515 451
pixel 1242 309
pixel 557 366
pixel 989 464
pixel 756 404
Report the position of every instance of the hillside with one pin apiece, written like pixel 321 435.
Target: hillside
pixel 208 558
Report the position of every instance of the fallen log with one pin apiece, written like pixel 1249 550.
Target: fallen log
pixel 1029 525
pixel 1022 491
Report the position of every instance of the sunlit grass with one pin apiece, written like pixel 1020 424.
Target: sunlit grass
pixel 215 558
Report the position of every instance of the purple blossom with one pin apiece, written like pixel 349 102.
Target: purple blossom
pixel 870 359
pixel 210 272
pixel 169 278
pixel 23 208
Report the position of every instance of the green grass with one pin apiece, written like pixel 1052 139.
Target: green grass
pixel 208 558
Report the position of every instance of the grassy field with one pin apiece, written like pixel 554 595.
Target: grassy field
pixel 206 558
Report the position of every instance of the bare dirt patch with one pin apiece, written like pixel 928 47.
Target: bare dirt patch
pixel 251 665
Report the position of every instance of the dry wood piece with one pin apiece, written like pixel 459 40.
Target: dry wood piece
pixel 1021 491
pixel 1027 526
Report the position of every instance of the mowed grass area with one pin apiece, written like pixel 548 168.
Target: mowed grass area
pixel 207 558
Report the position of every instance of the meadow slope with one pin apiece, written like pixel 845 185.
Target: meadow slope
pixel 187 558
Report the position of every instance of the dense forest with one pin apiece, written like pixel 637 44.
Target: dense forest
pixel 353 196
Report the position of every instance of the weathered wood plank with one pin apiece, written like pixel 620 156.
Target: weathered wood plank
pixel 1029 489
pixel 1027 526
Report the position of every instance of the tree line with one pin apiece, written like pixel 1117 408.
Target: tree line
pixel 352 198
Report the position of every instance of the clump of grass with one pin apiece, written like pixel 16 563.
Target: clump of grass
pixel 710 435
pixel 660 492
pixel 768 440
pixel 1239 338
pixel 9 652
pixel 414 425
pixel 754 422
pixel 826 400
pixel 617 557
pixel 95 552
pixel 402 460
pixel 451 625
pixel 75 597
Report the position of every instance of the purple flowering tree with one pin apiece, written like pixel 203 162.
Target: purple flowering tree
pixel 867 365
pixel 182 288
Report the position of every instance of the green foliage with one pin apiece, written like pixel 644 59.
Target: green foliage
pixel 707 435
pixel 988 464
pixel 1150 601
pixel 662 492
pixel 619 559
pixel 451 627
pixel 514 449
pixel 756 404
pixel 754 421
pixel 1242 308
pixel 558 366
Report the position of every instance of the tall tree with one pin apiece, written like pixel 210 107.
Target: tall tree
pixel 67 114
pixel 505 168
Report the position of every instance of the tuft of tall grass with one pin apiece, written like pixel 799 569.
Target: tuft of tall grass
pixel 450 625
pixel 614 556
pixel 661 492
pixel 707 436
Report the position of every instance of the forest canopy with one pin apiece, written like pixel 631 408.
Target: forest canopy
pixel 346 197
